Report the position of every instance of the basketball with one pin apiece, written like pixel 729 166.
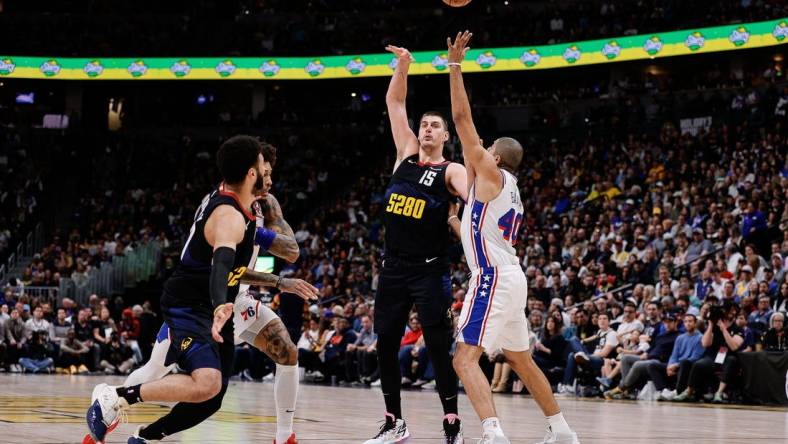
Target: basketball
pixel 456 3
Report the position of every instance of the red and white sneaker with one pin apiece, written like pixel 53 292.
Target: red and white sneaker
pixel 89 439
pixel 290 440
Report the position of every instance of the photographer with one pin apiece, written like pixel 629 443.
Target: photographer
pixel 116 357
pixel 721 340
pixel 40 353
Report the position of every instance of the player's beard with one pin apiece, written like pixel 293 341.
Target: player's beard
pixel 259 184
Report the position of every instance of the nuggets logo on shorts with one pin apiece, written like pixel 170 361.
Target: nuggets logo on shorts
pixel 186 343
pixel 250 312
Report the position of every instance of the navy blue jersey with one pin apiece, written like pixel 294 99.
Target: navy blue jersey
pixel 417 207
pixel 189 284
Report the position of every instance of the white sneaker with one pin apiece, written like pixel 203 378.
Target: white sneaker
pixel 429 386
pixel 493 438
pixel 375 383
pixel 391 432
pixel 666 395
pixel 559 438
pixel 106 410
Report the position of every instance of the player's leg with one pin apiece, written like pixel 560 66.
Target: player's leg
pixel 186 415
pixel 432 294
pixel 392 306
pixel 152 370
pixel 258 325
pixel 484 313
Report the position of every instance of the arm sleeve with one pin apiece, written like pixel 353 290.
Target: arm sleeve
pixel 223 259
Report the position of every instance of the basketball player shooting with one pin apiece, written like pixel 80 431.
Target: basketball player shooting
pixel 415 266
pixel 493 313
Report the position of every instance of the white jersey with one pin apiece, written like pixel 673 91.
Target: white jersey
pixel 249 314
pixel 489 230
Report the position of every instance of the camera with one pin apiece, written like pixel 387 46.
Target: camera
pixel 715 314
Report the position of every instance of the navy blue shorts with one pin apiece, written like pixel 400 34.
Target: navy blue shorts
pixel 191 345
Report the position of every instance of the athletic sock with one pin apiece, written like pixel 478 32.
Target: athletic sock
pixel 130 394
pixel 558 424
pixel 285 394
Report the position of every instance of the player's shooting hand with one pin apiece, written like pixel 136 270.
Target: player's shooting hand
pixel 220 317
pixel 459 47
pixel 300 287
pixel 403 55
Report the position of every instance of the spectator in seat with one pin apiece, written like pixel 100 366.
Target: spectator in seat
pixel 83 329
pixel 36 323
pixel 608 340
pixel 720 340
pixel 103 328
pixel 659 353
pixel 17 340
pixel 412 351
pixel 776 338
pixel 686 351
pixel 73 355
pixel 311 348
pixel 116 358
pixel 749 335
pixel 129 330
pixel 336 348
pixel 758 320
pixel 361 355
pixel 59 328
pixel 582 332
pixel 549 352
pixel 40 353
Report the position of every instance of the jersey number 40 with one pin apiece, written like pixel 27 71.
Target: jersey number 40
pixel 510 223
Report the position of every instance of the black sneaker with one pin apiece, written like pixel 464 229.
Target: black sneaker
pixel 392 432
pixel 452 429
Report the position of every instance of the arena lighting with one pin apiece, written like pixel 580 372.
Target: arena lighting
pixel 523 58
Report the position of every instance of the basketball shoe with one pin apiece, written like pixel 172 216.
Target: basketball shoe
pixel 137 439
pixel 105 412
pixel 559 438
pixel 393 431
pixel 290 440
pixel 452 429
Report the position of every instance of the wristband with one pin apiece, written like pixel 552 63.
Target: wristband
pixel 453 216
pixel 216 310
pixel 264 237
pixel 454 64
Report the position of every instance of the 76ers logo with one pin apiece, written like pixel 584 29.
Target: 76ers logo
pixel 249 313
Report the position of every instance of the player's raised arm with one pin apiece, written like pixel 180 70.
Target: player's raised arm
pixel 406 142
pixel 478 161
pixel 277 237
pixel 224 229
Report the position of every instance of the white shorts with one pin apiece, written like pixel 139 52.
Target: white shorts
pixel 493 314
pixel 250 316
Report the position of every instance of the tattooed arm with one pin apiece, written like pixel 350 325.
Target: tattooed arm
pixel 284 244
pixel 297 286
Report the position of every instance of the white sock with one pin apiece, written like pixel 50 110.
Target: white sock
pixel 558 424
pixel 492 425
pixel 285 394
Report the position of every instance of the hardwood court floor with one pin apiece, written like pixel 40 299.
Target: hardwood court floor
pixel 39 409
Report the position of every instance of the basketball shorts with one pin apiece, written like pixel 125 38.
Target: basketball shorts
pixel 401 286
pixel 192 346
pixel 250 316
pixel 493 314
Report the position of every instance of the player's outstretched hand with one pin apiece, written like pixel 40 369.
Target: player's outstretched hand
pixel 220 317
pixel 401 53
pixel 300 287
pixel 459 48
